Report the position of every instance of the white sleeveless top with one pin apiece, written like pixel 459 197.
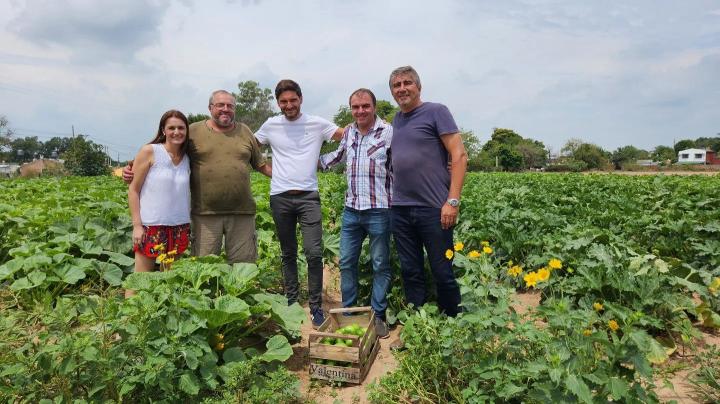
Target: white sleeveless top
pixel 165 194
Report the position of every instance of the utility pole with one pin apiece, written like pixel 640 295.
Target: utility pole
pixel 73 131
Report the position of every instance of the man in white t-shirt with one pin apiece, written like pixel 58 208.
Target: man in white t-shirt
pixel 295 139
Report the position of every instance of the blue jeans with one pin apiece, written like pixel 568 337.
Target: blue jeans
pixel 415 227
pixel 356 224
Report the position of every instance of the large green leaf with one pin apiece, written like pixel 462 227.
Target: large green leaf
pixel 21 284
pixel 579 388
pixel 69 273
pixel 290 318
pixel 227 309
pixel 111 273
pixel 278 349
pixel 240 278
pixel 189 384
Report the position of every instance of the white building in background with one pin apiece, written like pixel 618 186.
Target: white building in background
pixel 692 156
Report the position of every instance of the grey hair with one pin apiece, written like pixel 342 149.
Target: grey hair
pixel 405 70
pixel 212 96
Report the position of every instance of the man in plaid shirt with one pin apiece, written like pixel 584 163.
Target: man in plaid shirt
pixel 365 148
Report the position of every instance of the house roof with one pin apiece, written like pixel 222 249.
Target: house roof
pixel 692 151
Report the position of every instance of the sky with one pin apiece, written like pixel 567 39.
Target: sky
pixel 612 73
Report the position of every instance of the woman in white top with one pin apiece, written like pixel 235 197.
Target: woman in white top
pixel 159 194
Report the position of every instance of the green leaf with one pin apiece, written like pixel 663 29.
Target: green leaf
pixel 227 309
pixel 21 284
pixel 9 268
pixel 120 259
pixel 234 354
pixel 37 277
pixel 37 261
pixel 661 266
pixel 579 388
pixel 290 318
pixel 69 274
pixel 278 348
pixel 189 384
pixel 618 388
pixel 111 273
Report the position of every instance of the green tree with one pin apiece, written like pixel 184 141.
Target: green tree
pixel 343 117
pixel 55 147
pixel 254 104
pixel 473 150
pixel 663 154
pixel 25 149
pixel 592 155
pixel 386 110
pixel 6 135
pixel 533 153
pixel 192 118
pixel 511 152
pixel 509 158
pixel 684 144
pixel 708 143
pixel 85 158
pixel 627 155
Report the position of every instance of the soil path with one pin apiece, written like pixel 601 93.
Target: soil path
pixel 322 392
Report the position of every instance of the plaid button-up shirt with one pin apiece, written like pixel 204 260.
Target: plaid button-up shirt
pixel 367 159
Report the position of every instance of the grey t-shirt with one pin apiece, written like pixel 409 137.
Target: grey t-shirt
pixel 419 158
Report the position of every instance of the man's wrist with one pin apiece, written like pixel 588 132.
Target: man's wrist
pixel 454 202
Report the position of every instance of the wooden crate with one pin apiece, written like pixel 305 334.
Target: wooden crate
pixel 360 356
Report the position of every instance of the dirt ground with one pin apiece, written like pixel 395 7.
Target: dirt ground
pixel 678 367
pixel 320 391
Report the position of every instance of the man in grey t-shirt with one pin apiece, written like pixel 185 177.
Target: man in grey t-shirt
pixel 426 197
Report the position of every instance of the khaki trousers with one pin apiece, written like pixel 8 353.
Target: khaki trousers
pixel 239 233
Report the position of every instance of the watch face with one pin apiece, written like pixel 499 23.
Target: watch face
pixel 453 202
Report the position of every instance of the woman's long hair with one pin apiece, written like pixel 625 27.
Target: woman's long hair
pixel 160 136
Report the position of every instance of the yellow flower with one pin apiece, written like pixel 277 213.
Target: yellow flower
pixel 613 325
pixel 543 274
pixel 161 257
pixel 219 346
pixel 485 243
pixel 487 250
pixel 173 252
pixel 530 279
pixel 555 263
pixel 474 254
pixel 587 332
pixel 514 271
pixel 168 260
pixel 459 246
pixel 449 254
pixel 598 306
pixel 159 247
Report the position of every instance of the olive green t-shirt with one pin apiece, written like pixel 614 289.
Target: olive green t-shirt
pixel 220 166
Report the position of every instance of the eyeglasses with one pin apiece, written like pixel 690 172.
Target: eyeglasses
pixel 221 105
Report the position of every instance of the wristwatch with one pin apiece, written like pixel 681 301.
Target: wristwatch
pixel 453 202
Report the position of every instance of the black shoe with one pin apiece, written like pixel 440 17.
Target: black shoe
pixel 317 317
pixel 381 328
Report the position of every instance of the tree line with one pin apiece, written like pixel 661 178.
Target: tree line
pixel 505 151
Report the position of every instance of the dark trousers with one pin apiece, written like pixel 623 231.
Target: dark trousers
pixel 415 228
pixel 289 210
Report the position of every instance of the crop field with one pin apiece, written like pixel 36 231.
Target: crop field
pixel 627 269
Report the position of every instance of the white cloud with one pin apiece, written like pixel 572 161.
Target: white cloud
pixel 639 73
